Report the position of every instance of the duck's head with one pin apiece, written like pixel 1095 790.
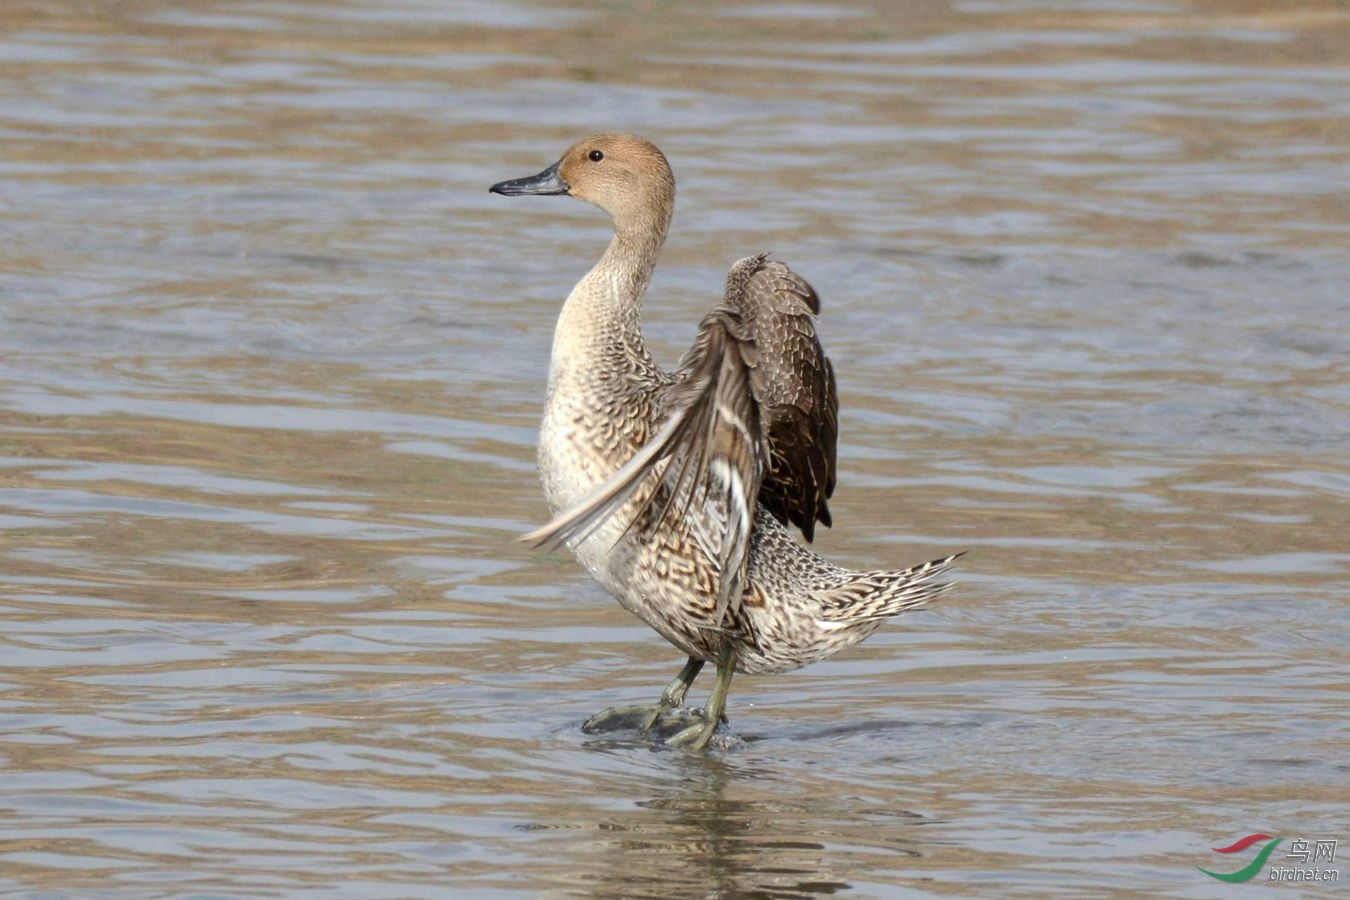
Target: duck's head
pixel 624 175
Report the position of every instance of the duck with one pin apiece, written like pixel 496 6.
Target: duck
pixel 691 495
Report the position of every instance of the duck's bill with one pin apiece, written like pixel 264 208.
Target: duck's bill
pixel 546 182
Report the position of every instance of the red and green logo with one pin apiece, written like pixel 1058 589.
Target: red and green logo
pixel 1248 871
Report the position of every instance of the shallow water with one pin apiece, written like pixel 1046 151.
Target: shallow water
pixel 271 361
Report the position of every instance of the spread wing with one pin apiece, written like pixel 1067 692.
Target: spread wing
pixel 752 417
pixel 793 385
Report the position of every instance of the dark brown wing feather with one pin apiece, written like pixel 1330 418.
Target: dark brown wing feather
pixel 793 383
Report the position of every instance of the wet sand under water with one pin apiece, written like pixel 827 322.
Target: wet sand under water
pixel 271 363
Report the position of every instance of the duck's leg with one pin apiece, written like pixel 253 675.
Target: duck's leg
pixel 673 696
pixel 696 737
pixel 644 717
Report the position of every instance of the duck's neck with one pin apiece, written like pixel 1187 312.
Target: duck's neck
pixel 599 331
pixel 602 383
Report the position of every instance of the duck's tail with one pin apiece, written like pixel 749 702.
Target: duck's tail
pixel 873 596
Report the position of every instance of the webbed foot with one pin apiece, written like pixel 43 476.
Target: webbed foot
pixel 642 718
pixel 625 718
pixel 697 733
pixel 682 726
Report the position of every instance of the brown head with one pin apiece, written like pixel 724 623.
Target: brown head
pixel 622 174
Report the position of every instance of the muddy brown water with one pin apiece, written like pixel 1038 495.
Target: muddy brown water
pixel 271 362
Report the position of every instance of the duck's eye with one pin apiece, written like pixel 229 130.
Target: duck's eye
pixel 596 156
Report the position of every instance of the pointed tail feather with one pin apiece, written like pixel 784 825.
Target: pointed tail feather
pixel 880 595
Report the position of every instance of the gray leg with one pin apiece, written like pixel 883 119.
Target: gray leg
pixel 673 696
pixel 696 737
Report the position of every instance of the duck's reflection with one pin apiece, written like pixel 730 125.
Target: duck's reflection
pixel 721 828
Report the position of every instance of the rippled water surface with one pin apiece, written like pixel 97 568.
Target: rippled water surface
pixel 271 363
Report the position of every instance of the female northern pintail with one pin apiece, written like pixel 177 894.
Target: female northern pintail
pixel 676 490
